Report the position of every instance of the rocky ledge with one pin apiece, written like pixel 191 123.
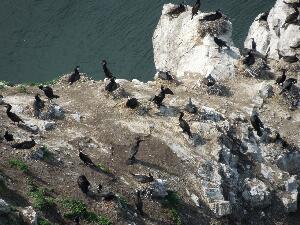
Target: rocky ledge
pixel 223 173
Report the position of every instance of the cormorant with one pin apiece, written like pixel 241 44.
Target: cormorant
pixel 249 59
pixel 220 43
pixel 48 91
pixel 196 8
pixel 139 203
pixel 74 76
pixel 86 159
pixel 190 107
pixel 292 18
pixel 263 17
pixel 83 184
pixel 158 99
pixel 209 81
pixel 282 78
pixel 24 145
pixel 1 99
pixel 112 85
pixel 253 45
pixel 177 10
pixel 287 85
pixel 8 136
pixel 132 103
pixel 143 178
pixel 133 151
pixel 165 75
pixel 107 72
pixel 12 116
pixel 256 123
pixel 212 17
pixel 289 59
pixel 38 105
pixel 184 125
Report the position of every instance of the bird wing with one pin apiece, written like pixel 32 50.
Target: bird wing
pixel 168 91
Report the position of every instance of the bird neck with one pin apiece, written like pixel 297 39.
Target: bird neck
pixel 8 108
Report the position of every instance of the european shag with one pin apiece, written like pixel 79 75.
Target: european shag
pixel 132 103
pixel 106 71
pixel 48 91
pixel 289 59
pixel 143 178
pixel 83 184
pixel 139 203
pixel 209 81
pixel 112 85
pixel 184 125
pixel 24 145
pixel 8 136
pixel 190 107
pixel 133 151
pixel 256 123
pixel 75 76
pixel 253 44
pixel 282 78
pixel 263 17
pixel 220 43
pixel 249 60
pixel 86 159
pixel 287 85
pixel 158 99
pixel 177 10
pixel 12 116
pixel 38 105
pixel 196 8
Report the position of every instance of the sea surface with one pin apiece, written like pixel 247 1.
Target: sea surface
pixel 41 39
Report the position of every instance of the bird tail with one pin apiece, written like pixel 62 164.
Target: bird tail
pixel 132 174
pixel 55 96
pixel 259 133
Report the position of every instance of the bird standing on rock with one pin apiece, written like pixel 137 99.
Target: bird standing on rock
pixel 253 45
pixel 139 203
pixel 12 116
pixel 161 96
pixel 184 125
pixel 212 17
pixel 38 105
pixel 83 184
pixel 24 145
pixel 143 178
pixel 106 71
pixel 190 107
pixel 282 78
pixel 133 151
pixel 112 85
pixel 8 137
pixel 48 91
pixel 132 103
pixel 86 159
pixel 209 81
pixel 75 76
pixel 220 43
pixel 256 123
pixel 177 10
pixel 196 8
pixel 287 85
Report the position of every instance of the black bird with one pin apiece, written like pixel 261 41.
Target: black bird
pixel 12 116
pixel 212 17
pixel 139 203
pixel 196 8
pixel 48 91
pixel 249 59
pixel 282 78
pixel 190 107
pixel 165 75
pixel 83 184
pixel 1 99
pixel 75 76
pixel 143 178
pixel 8 136
pixel 107 72
pixel 177 10
pixel 24 145
pixel 263 17
pixel 133 151
pixel 292 18
pixel 256 123
pixel 158 99
pixel 38 105
pixel 220 43
pixel 287 85
pixel 86 159
pixel 112 85
pixel 293 4
pixel 289 59
pixel 132 103
pixel 209 81
pixel 253 45
pixel 184 125
pixel 107 195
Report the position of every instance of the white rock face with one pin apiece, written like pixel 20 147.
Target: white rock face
pixel 271 34
pixel 180 49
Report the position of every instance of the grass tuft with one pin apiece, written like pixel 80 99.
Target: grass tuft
pixel 19 164
pixel 40 199
pixel 172 202
pixel 43 221
pixel 103 168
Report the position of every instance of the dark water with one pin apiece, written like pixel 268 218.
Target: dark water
pixel 40 39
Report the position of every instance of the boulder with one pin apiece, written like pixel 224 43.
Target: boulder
pixel 159 189
pixel 4 207
pixel 221 208
pixel 30 215
pixel 266 91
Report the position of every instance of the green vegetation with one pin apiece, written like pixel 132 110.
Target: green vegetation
pixel 123 201
pixel 41 200
pixel 43 221
pixel 3 84
pixel 103 168
pixel 19 164
pixel 21 88
pixel 78 208
pixel 172 202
